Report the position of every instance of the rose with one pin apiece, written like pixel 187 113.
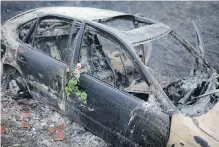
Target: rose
pixel 77 73
pixel 67 70
pixel 78 66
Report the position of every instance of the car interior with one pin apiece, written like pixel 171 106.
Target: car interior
pixel 107 61
pixel 52 38
pixel 102 57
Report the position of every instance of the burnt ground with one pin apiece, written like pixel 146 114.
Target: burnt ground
pixel 28 123
pixel 178 15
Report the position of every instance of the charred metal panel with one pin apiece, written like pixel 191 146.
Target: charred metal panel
pixel 44 75
pixel 118 117
pixel 10 56
pixel 137 35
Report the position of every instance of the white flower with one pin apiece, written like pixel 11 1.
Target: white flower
pixel 78 66
pixel 77 73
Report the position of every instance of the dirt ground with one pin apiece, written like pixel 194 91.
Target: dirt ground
pixel 29 123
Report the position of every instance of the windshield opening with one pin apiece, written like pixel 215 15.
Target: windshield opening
pixel 167 59
pixel 173 62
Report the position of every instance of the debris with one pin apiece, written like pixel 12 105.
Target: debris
pixel 24 109
pixel 59 130
pixel 209 93
pixel 14 87
pixel 37 127
pixel 44 125
pixel 60 133
pixel 52 130
pixel 187 96
pixel 25 125
pixel 25 115
pixel 3 129
pixel 60 136
pixel 61 127
pixel 56 117
pixel 23 102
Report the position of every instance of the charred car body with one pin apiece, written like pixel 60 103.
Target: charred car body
pixel 135 98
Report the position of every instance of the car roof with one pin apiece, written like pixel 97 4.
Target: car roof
pixel 138 35
pixel 131 37
pixel 82 13
pixel 89 14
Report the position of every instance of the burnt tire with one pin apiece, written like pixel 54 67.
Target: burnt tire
pixel 3 49
pixel 13 84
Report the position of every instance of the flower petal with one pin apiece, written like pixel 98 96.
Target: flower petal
pixel 78 66
pixel 67 70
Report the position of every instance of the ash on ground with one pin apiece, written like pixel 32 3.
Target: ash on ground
pixel 28 123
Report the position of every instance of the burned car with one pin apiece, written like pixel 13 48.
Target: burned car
pixel 144 85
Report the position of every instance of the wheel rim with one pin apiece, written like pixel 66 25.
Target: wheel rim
pixel 9 84
pixel 13 87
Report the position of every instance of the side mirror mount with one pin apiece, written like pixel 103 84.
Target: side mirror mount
pixel 199 42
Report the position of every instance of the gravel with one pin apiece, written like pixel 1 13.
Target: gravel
pixel 40 118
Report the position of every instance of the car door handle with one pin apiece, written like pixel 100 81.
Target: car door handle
pixel 22 58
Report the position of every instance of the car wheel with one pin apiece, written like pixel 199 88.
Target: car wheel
pixel 3 49
pixel 13 84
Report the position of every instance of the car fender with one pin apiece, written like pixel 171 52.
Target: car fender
pixel 197 131
pixel 9 59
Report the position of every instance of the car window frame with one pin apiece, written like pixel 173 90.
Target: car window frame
pixel 40 19
pixel 115 39
pixel 109 35
pixel 32 31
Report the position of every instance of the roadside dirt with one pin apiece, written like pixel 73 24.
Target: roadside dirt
pixel 28 123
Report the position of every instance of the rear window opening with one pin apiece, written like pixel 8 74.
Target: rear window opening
pixel 25 28
pixel 124 23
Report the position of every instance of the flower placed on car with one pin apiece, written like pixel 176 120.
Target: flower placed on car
pixel 67 70
pixel 78 66
pixel 72 84
pixel 76 73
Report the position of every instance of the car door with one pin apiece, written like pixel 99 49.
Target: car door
pixel 44 57
pixel 116 116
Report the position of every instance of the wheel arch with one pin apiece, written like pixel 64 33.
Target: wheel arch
pixel 6 66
